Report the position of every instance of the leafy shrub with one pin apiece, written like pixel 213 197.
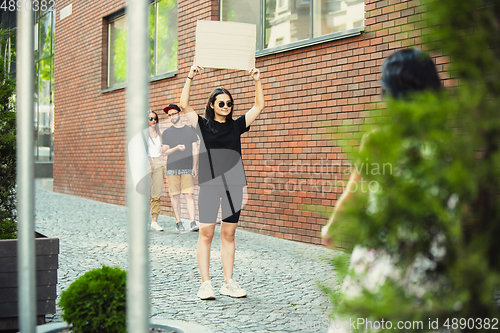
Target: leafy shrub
pixel 7 151
pixel 7 229
pixel 440 202
pixel 95 302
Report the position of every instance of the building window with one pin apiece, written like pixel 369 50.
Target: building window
pixel 162 42
pixel 8 22
pixel 286 22
pixel 117 51
pixel 44 85
pixel 163 36
pixel 43 125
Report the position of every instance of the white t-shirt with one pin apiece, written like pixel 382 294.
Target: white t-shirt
pixel 154 145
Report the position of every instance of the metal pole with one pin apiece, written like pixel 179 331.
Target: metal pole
pixel 137 106
pixel 25 171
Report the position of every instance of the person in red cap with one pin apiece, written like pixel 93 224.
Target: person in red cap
pixel 221 176
pixel 182 165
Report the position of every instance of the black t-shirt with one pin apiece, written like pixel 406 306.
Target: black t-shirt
pixel 223 141
pixel 173 136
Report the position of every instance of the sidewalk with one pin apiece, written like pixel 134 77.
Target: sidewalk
pixel 280 276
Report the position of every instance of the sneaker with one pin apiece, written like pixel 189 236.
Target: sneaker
pixel 232 289
pixel 206 291
pixel 179 226
pixel 194 226
pixel 156 226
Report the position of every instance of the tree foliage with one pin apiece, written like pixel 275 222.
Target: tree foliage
pixel 441 202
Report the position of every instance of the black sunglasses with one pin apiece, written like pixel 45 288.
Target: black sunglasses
pixel 172 114
pixel 151 118
pixel 229 104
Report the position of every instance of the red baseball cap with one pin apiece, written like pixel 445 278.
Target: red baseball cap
pixel 170 107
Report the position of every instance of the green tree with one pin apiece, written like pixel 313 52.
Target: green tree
pixel 7 149
pixel 440 204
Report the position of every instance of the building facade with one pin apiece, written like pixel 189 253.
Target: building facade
pixel 320 62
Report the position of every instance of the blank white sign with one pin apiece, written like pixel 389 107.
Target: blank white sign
pixel 229 45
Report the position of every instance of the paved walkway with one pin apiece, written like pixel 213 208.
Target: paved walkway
pixel 280 276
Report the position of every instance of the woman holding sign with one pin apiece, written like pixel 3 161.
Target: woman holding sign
pixel 221 175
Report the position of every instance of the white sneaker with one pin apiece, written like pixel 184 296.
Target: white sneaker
pixel 232 289
pixel 156 226
pixel 195 226
pixel 206 291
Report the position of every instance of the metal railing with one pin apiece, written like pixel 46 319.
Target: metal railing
pixel 137 106
pixel 25 172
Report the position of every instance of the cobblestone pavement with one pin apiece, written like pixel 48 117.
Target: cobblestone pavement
pixel 280 276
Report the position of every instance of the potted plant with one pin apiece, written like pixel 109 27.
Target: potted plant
pixel 96 303
pixel 47 249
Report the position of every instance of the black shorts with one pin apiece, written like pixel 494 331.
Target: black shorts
pixel 211 197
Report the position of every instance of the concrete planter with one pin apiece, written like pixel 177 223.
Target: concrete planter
pixel 169 326
pixel 47 251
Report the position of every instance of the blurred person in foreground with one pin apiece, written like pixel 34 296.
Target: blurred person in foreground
pixel 404 74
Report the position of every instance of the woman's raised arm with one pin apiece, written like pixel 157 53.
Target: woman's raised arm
pixel 184 101
pixel 255 111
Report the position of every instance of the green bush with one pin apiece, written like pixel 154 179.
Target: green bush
pixel 8 229
pixel 95 302
pixel 7 150
pixel 440 202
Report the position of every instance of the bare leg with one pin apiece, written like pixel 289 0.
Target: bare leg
pixel 190 205
pixel 203 250
pixel 176 206
pixel 227 232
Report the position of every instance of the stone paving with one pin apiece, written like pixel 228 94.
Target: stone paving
pixel 280 276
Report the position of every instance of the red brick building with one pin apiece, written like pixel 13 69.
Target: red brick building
pixel 320 63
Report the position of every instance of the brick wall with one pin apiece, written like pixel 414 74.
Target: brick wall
pixel 292 154
pixel 89 134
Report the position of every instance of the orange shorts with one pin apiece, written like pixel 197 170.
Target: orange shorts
pixel 178 182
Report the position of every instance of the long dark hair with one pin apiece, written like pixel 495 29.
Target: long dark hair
pixel 209 111
pixel 407 71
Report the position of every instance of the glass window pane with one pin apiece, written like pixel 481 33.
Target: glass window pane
pixel 8 52
pixel 287 21
pixel 117 60
pixel 242 11
pixel 5 20
pixel 51 114
pixel 36 81
pixel 166 53
pixel 35 111
pixel 152 37
pixel 45 44
pixel 337 15
pixel 53 33
pixel 44 110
